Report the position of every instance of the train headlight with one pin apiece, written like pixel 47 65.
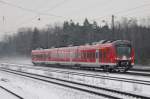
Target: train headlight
pixel 124 58
pixel 117 58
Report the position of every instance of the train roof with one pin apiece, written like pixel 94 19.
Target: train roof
pixel 102 43
pixel 122 42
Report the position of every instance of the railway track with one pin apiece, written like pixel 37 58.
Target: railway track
pixel 136 72
pixel 12 93
pixel 107 93
pixel 66 81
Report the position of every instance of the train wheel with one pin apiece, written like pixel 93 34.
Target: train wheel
pixel 125 70
pixel 122 70
pixel 106 69
pixel 110 70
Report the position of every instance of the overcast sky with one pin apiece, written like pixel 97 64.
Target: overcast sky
pixel 25 13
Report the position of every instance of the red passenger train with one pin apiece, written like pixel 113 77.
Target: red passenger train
pixel 108 55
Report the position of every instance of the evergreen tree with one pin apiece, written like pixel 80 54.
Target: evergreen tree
pixel 35 39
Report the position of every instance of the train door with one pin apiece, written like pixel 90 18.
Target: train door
pixel 71 56
pixel 97 56
pixel 104 55
pixel 100 55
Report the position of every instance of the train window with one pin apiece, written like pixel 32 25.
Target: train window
pixel 105 54
pixel 58 54
pixel 76 56
pixel 62 55
pixel 87 54
pixel 90 55
pixel 43 56
pixel 52 54
pixel 84 54
pixel 33 56
pixel 108 52
pixel 38 56
pixel 67 55
pixel 123 50
pixel 46 55
pixel 49 55
pixel 93 55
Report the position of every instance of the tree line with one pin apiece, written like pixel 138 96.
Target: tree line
pixel 73 33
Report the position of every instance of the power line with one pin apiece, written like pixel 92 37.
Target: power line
pixel 131 9
pixel 55 6
pixel 97 5
pixel 50 9
pixel 29 10
pixel 127 10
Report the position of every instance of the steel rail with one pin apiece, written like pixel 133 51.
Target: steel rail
pixel 16 95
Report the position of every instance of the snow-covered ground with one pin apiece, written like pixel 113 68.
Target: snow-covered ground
pixel 34 89
pixel 120 85
pixel 16 60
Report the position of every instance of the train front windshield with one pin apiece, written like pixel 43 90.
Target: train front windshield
pixel 123 51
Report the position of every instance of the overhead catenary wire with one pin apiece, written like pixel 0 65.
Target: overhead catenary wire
pixel 59 4
pixel 56 5
pixel 36 12
pixel 49 14
pixel 134 8
pixel 50 9
pixel 30 10
pixel 124 11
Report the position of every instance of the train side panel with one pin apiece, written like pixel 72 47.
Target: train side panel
pixel 101 55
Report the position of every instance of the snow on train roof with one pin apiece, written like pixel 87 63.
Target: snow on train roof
pixel 86 46
pixel 74 47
